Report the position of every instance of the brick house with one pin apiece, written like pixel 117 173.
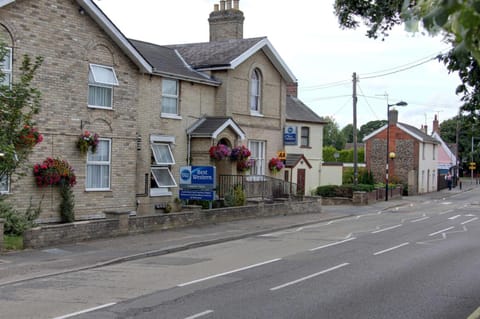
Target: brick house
pixel 303 139
pixel 416 156
pixel 156 108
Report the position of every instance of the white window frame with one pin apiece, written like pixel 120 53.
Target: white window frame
pixel 175 97
pixel 7 72
pixel 7 184
pixel 160 165
pixel 259 163
pixel 255 92
pixel 307 129
pixel 94 81
pixel 102 163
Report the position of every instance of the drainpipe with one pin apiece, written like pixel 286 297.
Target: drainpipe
pixel 188 148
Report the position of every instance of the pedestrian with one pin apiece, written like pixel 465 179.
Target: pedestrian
pixel 448 178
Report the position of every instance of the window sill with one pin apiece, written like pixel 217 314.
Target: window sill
pixel 304 146
pixel 257 114
pixel 100 107
pixel 171 116
pixel 98 190
pixel 157 192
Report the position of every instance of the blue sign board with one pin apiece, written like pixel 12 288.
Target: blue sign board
pixel 197 177
pixel 290 135
pixel 197 194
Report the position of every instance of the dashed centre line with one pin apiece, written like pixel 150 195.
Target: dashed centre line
pixel 469 221
pixel 309 277
pixel 229 272
pixel 389 249
pixel 332 244
pixel 441 231
pixel 385 229
pixel 201 314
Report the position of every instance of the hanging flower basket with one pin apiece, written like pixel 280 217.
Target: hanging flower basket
pixel 53 172
pixel 275 165
pixel 244 165
pixel 240 153
pixel 87 140
pixel 219 152
pixel 29 137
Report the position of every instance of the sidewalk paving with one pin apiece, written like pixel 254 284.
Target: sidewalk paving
pixel 28 264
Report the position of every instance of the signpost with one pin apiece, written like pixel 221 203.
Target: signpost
pixel 197 182
pixel 290 135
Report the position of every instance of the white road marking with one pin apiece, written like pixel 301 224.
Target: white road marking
pixel 446 212
pixel 454 217
pixel 309 277
pixel 469 221
pixel 332 244
pixel 441 231
pixel 419 220
pixel 389 249
pixel 229 272
pixel 385 229
pixel 201 314
pixel 85 311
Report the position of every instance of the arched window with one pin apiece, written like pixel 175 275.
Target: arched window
pixel 255 91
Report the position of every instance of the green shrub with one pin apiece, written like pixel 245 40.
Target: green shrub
pixel 236 197
pixel 343 190
pixel 67 204
pixel 16 222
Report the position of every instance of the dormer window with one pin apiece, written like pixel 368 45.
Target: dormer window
pixel 255 91
pixel 101 80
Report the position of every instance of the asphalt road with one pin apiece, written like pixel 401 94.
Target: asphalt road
pixel 417 261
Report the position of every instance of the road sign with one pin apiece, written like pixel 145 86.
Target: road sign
pixel 197 194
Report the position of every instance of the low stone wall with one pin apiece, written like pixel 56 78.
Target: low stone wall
pixel 121 223
pixel 363 198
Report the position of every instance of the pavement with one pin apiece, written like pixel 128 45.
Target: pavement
pixel 20 266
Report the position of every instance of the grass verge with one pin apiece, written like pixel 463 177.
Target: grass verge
pixel 11 242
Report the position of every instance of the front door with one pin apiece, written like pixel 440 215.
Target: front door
pixel 301 181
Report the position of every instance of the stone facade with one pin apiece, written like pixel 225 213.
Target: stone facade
pixel 71 36
pixel 69 42
pixel 414 156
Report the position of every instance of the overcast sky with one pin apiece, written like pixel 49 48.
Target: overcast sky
pixel 322 56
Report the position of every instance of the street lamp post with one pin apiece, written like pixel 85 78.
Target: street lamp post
pixel 401 103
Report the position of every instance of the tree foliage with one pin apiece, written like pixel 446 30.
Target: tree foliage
pixel 457 20
pixel 467 128
pixel 19 102
pixel 332 136
pixel 370 127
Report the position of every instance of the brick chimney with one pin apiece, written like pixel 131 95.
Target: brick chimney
pixel 292 89
pixel 226 21
pixel 393 116
pixel 436 127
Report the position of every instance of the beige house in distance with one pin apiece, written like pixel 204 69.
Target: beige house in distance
pixel 303 139
pixel 155 108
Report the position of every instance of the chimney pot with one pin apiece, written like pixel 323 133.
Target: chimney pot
pixel 229 4
pixel 236 4
pixel 222 5
pixel 215 7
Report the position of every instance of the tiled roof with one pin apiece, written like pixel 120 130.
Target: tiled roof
pixel 421 134
pixel 214 54
pixel 298 111
pixel 211 126
pixel 168 62
pixel 293 159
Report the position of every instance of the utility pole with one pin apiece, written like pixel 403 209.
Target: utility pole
pixel 355 155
